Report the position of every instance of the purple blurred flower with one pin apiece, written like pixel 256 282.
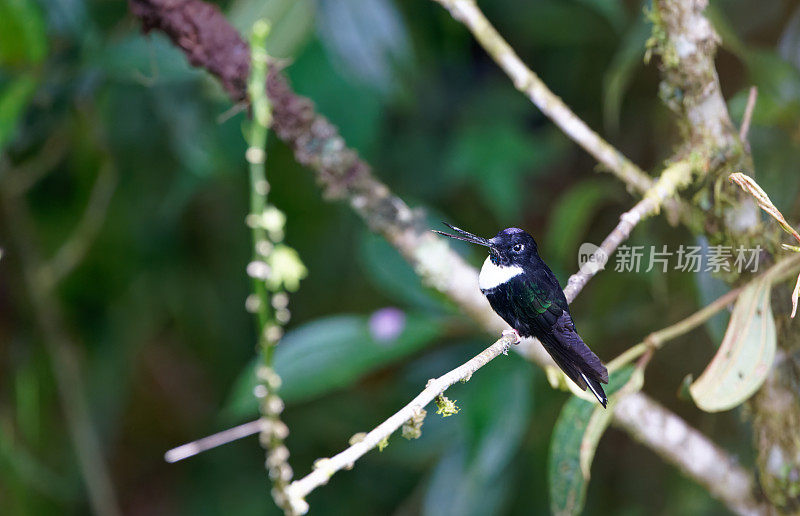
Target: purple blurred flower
pixel 387 323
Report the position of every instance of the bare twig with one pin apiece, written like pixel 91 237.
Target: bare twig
pixel 325 468
pixel 672 179
pixel 526 81
pixel 731 484
pixel 748 116
pixel 778 272
pixel 212 441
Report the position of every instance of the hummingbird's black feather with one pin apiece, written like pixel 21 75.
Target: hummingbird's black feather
pixel 523 290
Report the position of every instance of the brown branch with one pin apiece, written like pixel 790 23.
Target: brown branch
pixel 686 43
pixel 318 145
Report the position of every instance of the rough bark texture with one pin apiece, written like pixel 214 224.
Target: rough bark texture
pixel 776 424
pixel 204 35
pixel 666 434
pixel 686 44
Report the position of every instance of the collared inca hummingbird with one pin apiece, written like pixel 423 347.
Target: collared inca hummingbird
pixel 523 290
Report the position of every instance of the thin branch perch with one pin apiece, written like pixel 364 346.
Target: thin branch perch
pixel 744 129
pixel 325 468
pixel 672 179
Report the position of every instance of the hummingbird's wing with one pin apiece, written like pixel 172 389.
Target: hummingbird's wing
pixel 544 313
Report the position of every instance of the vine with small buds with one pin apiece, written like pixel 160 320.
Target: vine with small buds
pixel 275 270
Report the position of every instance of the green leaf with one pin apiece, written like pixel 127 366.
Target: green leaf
pixel 355 108
pixel 745 356
pixel 778 83
pixel 23 40
pixel 13 101
pixel 328 354
pixel 576 435
pixel 135 59
pixel 471 477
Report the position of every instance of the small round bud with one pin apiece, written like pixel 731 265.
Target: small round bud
pixel 262 187
pixel 273 333
pixel 280 300
pixel 252 304
pixel 277 456
pixel 260 391
pixel 280 430
pixel 283 315
pixel 256 156
pixel 264 247
pixel 258 270
pixel 273 405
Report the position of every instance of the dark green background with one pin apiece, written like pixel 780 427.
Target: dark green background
pixel 157 306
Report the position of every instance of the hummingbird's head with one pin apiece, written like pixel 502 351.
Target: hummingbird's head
pixel 511 246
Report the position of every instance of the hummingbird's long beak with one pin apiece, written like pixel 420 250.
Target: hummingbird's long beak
pixel 466 236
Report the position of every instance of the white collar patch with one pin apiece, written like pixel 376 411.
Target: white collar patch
pixel 493 275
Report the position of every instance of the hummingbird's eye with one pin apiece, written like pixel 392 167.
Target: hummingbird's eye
pixel 517 248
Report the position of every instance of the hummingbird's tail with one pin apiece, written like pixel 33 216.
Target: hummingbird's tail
pixel 580 364
pixel 596 389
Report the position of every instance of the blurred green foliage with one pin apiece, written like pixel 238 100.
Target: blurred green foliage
pixel 157 305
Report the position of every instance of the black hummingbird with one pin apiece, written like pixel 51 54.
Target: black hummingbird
pixel 524 291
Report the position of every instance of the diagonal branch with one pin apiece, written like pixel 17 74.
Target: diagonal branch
pixel 690 451
pixel 325 468
pixel 673 178
pixel 317 144
pixel 526 81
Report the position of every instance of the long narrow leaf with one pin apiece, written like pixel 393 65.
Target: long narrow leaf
pixel 577 433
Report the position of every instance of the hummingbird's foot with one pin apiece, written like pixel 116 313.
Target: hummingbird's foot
pixel 512 333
